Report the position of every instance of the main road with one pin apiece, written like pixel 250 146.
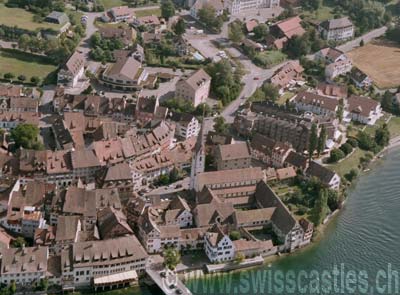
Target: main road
pixel 254 76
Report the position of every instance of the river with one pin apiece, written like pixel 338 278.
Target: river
pixel 362 242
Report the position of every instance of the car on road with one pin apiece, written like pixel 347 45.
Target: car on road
pixel 172 286
pixel 163 274
pixel 178 291
pixel 178 186
pixel 256 78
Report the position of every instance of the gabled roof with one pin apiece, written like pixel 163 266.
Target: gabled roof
pixel 337 23
pixel 291 27
pixel 282 218
pixel 75 63
pixel 234 151
pixel 322 173
pixel 197 79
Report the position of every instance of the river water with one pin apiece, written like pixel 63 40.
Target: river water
pixel 358 254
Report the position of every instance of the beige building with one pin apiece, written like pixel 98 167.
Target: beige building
pixel 233 156
pixel 195 88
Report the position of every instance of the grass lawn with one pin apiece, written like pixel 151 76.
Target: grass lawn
pixel 22 19
pixel 21 63
pixel 269 58
pixel 147 12
pixel 394 126
pixel 111 3
pixel 349 163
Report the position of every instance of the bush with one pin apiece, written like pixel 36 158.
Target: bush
pixel 346 148
pixel 353 142
pixel 336 155
pixel 351 175
pixel 234 235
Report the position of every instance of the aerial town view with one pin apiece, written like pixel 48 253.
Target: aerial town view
pixel 199 147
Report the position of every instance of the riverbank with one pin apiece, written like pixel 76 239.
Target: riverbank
pixel 352 238
pixel 321 231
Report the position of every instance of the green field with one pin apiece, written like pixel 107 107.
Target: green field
pixel 321 14
pixel 22 19
pixel 270 58
pixel 21 63
pixel 348 163
pixel 147 12
pixel 111 3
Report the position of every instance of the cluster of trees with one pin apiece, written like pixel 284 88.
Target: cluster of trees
pixel 56 49
pixel 41 8
pixel 225 82
pixel 314 70
pixel 173 176
pixel 181 105
pixel 235 31
pixel 374 143
pixel 26 136
pixel 167 9
pixel 35 80
pixel 266 92
pixel 313 197
pixel 12 33
pixel 316 142
pixel 207 16
pixel 8 290
pixel 299 46
pixel 389 104
pixel 366 15
pixel 171 258
pixel 220 125
pixel 103 48
pixel 344 150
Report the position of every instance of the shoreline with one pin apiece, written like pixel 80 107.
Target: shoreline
pixel 200 274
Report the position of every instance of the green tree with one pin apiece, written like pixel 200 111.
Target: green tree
pixel 321 140
pixel 220 125
pixel 35 80
pixel 167 9
pixel 346 148
pixel 9 76
pixel 365 142
pixel 271 91
pixel 26 136
pixel 175 175
pixel 321 207
pixel 22 78
pixel 24 41
pixel 239 257
pixel 179 27
pixel 13 287
pixel 171 258
pixel 235 32
pixel 43 284
pixel 351 175
pixel 313 141
pixel 207 15
pixel 234 235
pixel 382 136
pixel 260 32
pixel 163 179
pixel 18 242
pixel 336 155
pixel 387 102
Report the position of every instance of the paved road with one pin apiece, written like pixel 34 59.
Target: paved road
pixel 256 76
pixel 366 37
pixel 90 30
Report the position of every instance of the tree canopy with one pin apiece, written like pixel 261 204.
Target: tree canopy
pixel 26 136
pixel 167 9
